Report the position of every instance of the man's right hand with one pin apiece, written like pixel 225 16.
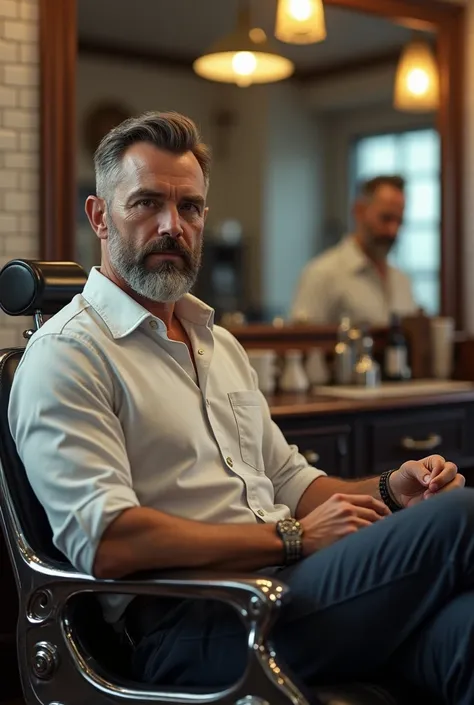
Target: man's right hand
pixel 339 516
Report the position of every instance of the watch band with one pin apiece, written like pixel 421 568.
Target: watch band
pixel 386 495
pixel 291 532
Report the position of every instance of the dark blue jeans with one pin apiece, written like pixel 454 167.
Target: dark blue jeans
pixel 397 595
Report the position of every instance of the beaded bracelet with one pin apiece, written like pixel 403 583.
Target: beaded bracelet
pixel 384 490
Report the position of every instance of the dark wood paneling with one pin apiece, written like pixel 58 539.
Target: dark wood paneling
pixel 431 12
pixel 451 54
pixel 58 40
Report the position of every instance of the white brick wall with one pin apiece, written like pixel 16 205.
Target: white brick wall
pixel 19 142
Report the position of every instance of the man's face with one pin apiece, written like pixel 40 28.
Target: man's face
pixel 379 220
pixel 155 222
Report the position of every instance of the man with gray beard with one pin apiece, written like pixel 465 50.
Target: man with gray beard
pixel 146 439
pixel 163 282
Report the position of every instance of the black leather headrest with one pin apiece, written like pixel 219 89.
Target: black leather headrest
pixel 28 286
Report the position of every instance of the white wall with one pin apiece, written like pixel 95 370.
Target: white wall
pixel 294 194
pixel 372 87
pixel 238 176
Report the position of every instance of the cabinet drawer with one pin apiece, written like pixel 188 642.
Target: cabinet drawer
pixel 393 440
pixel 326 448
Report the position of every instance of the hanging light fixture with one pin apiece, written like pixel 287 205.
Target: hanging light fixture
pixel 417 79
pixel 300 21
pixel 244 57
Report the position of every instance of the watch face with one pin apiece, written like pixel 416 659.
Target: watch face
pixel 290 526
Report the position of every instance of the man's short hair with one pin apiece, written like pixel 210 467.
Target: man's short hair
pixel 169 131
pixel 368 188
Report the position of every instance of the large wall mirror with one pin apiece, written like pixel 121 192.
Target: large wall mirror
pixel 287 156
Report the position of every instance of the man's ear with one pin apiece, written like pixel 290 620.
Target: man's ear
pixel 95 208
pixel 358 209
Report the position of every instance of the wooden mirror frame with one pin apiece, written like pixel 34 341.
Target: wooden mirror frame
pixel 58 56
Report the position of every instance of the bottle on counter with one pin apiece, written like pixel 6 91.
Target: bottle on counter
pixel 293 378
pixel 396 352
pixel 356 334
pixel 367 369
pixel 343 354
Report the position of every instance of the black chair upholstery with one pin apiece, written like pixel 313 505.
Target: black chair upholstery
pixel 28 286
pixel 67 653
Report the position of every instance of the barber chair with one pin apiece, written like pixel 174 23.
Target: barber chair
pixel 67 654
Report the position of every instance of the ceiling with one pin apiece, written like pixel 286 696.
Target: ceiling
pixel 182 29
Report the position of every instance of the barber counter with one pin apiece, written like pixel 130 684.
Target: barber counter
pixel 368 433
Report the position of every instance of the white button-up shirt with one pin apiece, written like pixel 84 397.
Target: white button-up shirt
pixel 343 282
pixel 107 413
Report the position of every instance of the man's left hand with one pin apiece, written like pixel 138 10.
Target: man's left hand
pixel 417 480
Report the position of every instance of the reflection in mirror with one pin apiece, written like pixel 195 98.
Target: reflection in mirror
pixel 288 156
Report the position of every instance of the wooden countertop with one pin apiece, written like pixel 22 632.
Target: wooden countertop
pixel 311 404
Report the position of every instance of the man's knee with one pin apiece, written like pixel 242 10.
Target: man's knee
pixel 455 505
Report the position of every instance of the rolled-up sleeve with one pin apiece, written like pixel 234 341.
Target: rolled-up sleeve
pixel 71 442
pixel 288 470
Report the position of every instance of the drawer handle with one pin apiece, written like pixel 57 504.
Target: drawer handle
pixel 433 441
pixel 311 456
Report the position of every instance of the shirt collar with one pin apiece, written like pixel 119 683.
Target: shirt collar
pixel 123 315
pixel 355 259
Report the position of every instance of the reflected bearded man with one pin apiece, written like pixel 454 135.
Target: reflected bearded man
pixel 355 278
pixel 150 447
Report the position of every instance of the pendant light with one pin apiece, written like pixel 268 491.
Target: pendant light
pixel 300 21
pixel 244 57
pixel 417 79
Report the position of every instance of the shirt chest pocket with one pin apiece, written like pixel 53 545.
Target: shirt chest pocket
pixel 249 421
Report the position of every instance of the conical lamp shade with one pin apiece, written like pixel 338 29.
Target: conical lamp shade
pixel 237 58
pixel 417 79
pixel 300 21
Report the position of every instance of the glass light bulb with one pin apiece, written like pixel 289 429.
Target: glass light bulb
pixel 244 63
pixel 300 9
pixel 418 81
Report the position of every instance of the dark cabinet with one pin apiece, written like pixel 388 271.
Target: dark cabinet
pixel 327 447
pixel 369 441
pixel 392 441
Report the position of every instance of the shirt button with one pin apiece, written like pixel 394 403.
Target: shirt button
pixel 200 351
pixel 261 513
pixel 229 462
pixel 153 324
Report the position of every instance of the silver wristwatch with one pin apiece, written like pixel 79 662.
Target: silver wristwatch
pixel 291 533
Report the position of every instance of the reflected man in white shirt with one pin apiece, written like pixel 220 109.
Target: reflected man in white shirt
pixel 354 278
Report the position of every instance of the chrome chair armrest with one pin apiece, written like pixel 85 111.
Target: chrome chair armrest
pixel 257 599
